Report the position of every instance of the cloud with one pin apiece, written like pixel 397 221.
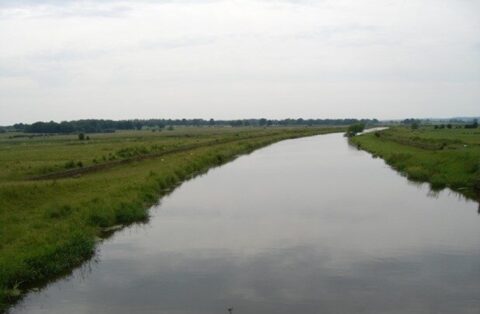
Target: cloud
pixel 63 9
pixel 184 42
pixel 239 58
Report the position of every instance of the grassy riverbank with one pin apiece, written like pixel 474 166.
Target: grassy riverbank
pixel 58 193
pixel 442 157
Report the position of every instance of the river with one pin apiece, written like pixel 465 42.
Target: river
pixel 310 225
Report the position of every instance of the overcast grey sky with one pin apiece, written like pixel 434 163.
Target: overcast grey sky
pixel 64 60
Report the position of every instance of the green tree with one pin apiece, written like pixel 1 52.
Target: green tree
pixel 354 129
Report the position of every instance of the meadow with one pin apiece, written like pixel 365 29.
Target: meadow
pixel 443 157
pixel 60 195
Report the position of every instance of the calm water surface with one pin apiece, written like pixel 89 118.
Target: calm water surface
pixel 304 226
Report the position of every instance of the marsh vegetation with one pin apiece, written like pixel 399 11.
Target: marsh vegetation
pixel 444 157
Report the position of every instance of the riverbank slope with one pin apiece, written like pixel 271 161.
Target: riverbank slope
pixel 443 157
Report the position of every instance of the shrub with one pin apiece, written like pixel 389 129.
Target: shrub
pixel 69 164
pixel 354 129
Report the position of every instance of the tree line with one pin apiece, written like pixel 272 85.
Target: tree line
pixel 453 123
pixel 102 126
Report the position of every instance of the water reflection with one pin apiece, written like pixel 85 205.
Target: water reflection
pixel 303 226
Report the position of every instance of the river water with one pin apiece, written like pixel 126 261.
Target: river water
pixel 309 225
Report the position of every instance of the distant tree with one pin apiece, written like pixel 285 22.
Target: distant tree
pixel 354 129
pixel 413 123
pixel 65 127
pixel 236 123
pixel 108 126
pixel 19 127
pixel 81 136
pixel 449 126
pixel 474 125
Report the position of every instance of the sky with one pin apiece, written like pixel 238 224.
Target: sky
pixel 66 60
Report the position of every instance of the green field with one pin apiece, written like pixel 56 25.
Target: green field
pixel 59 194
pixel 442 157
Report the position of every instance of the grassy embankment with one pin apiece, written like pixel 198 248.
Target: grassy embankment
pixel 58 194
pixel 442 157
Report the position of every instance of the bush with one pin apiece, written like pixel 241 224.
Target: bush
pixel 354 129
pixel 69 164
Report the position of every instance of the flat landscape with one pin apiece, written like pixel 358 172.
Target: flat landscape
pixel 58 193
pixel 239 157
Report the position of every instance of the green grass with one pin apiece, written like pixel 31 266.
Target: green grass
pixel 49 226
pixel 442 157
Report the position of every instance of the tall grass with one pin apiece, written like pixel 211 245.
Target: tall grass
pixel 442 157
